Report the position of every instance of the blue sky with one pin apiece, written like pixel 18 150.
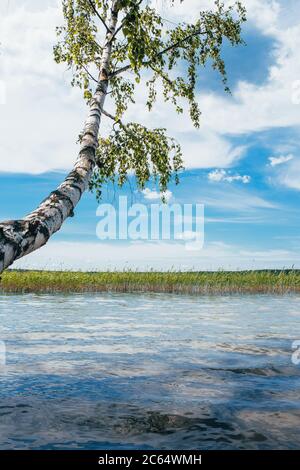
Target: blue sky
pixel 243 164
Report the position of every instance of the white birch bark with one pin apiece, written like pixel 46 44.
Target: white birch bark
pixel 21 237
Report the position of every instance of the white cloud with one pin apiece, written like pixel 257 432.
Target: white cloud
pixel 155 195
pixel 237 199
pixel 42 115
pixel 209 150
pixel 258 219
pixel 222 175
pixel 274 161
pixel 255 108
pixel 288 175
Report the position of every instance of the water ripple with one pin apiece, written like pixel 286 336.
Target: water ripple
pixel 120 371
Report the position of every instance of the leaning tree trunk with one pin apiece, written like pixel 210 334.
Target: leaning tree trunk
pixel 21 237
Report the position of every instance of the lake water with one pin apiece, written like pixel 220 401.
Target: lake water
pixel 139 371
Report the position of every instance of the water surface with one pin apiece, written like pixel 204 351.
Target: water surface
pixel 139 371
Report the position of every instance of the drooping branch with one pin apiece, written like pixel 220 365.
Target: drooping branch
pixel 132 147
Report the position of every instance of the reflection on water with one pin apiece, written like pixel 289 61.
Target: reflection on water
pixel 122 371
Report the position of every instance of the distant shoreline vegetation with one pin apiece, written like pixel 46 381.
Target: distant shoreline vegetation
pixel 217 282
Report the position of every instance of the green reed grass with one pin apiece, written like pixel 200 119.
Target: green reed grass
pixel 218 282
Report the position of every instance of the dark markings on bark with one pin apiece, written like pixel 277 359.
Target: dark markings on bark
pixel 75 186
pixel 89 146
pixel 38 226
pixel 80 168
pixel 86 149
pixel 60 195
pixel 73 178
pixel 59 210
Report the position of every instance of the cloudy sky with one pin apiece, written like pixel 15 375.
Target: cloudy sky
pixel 243 164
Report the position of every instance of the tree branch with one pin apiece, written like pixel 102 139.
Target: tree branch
pixel 163 75
pixel 164 51
pixel 178 43
pixel 120 70
pixel 113 118
pixel 89 74
pixel 99 16
pixel 117 31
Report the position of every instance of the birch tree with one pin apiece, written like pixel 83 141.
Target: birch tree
pixel 111 46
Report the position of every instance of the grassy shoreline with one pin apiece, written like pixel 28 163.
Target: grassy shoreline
pixel 219 282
